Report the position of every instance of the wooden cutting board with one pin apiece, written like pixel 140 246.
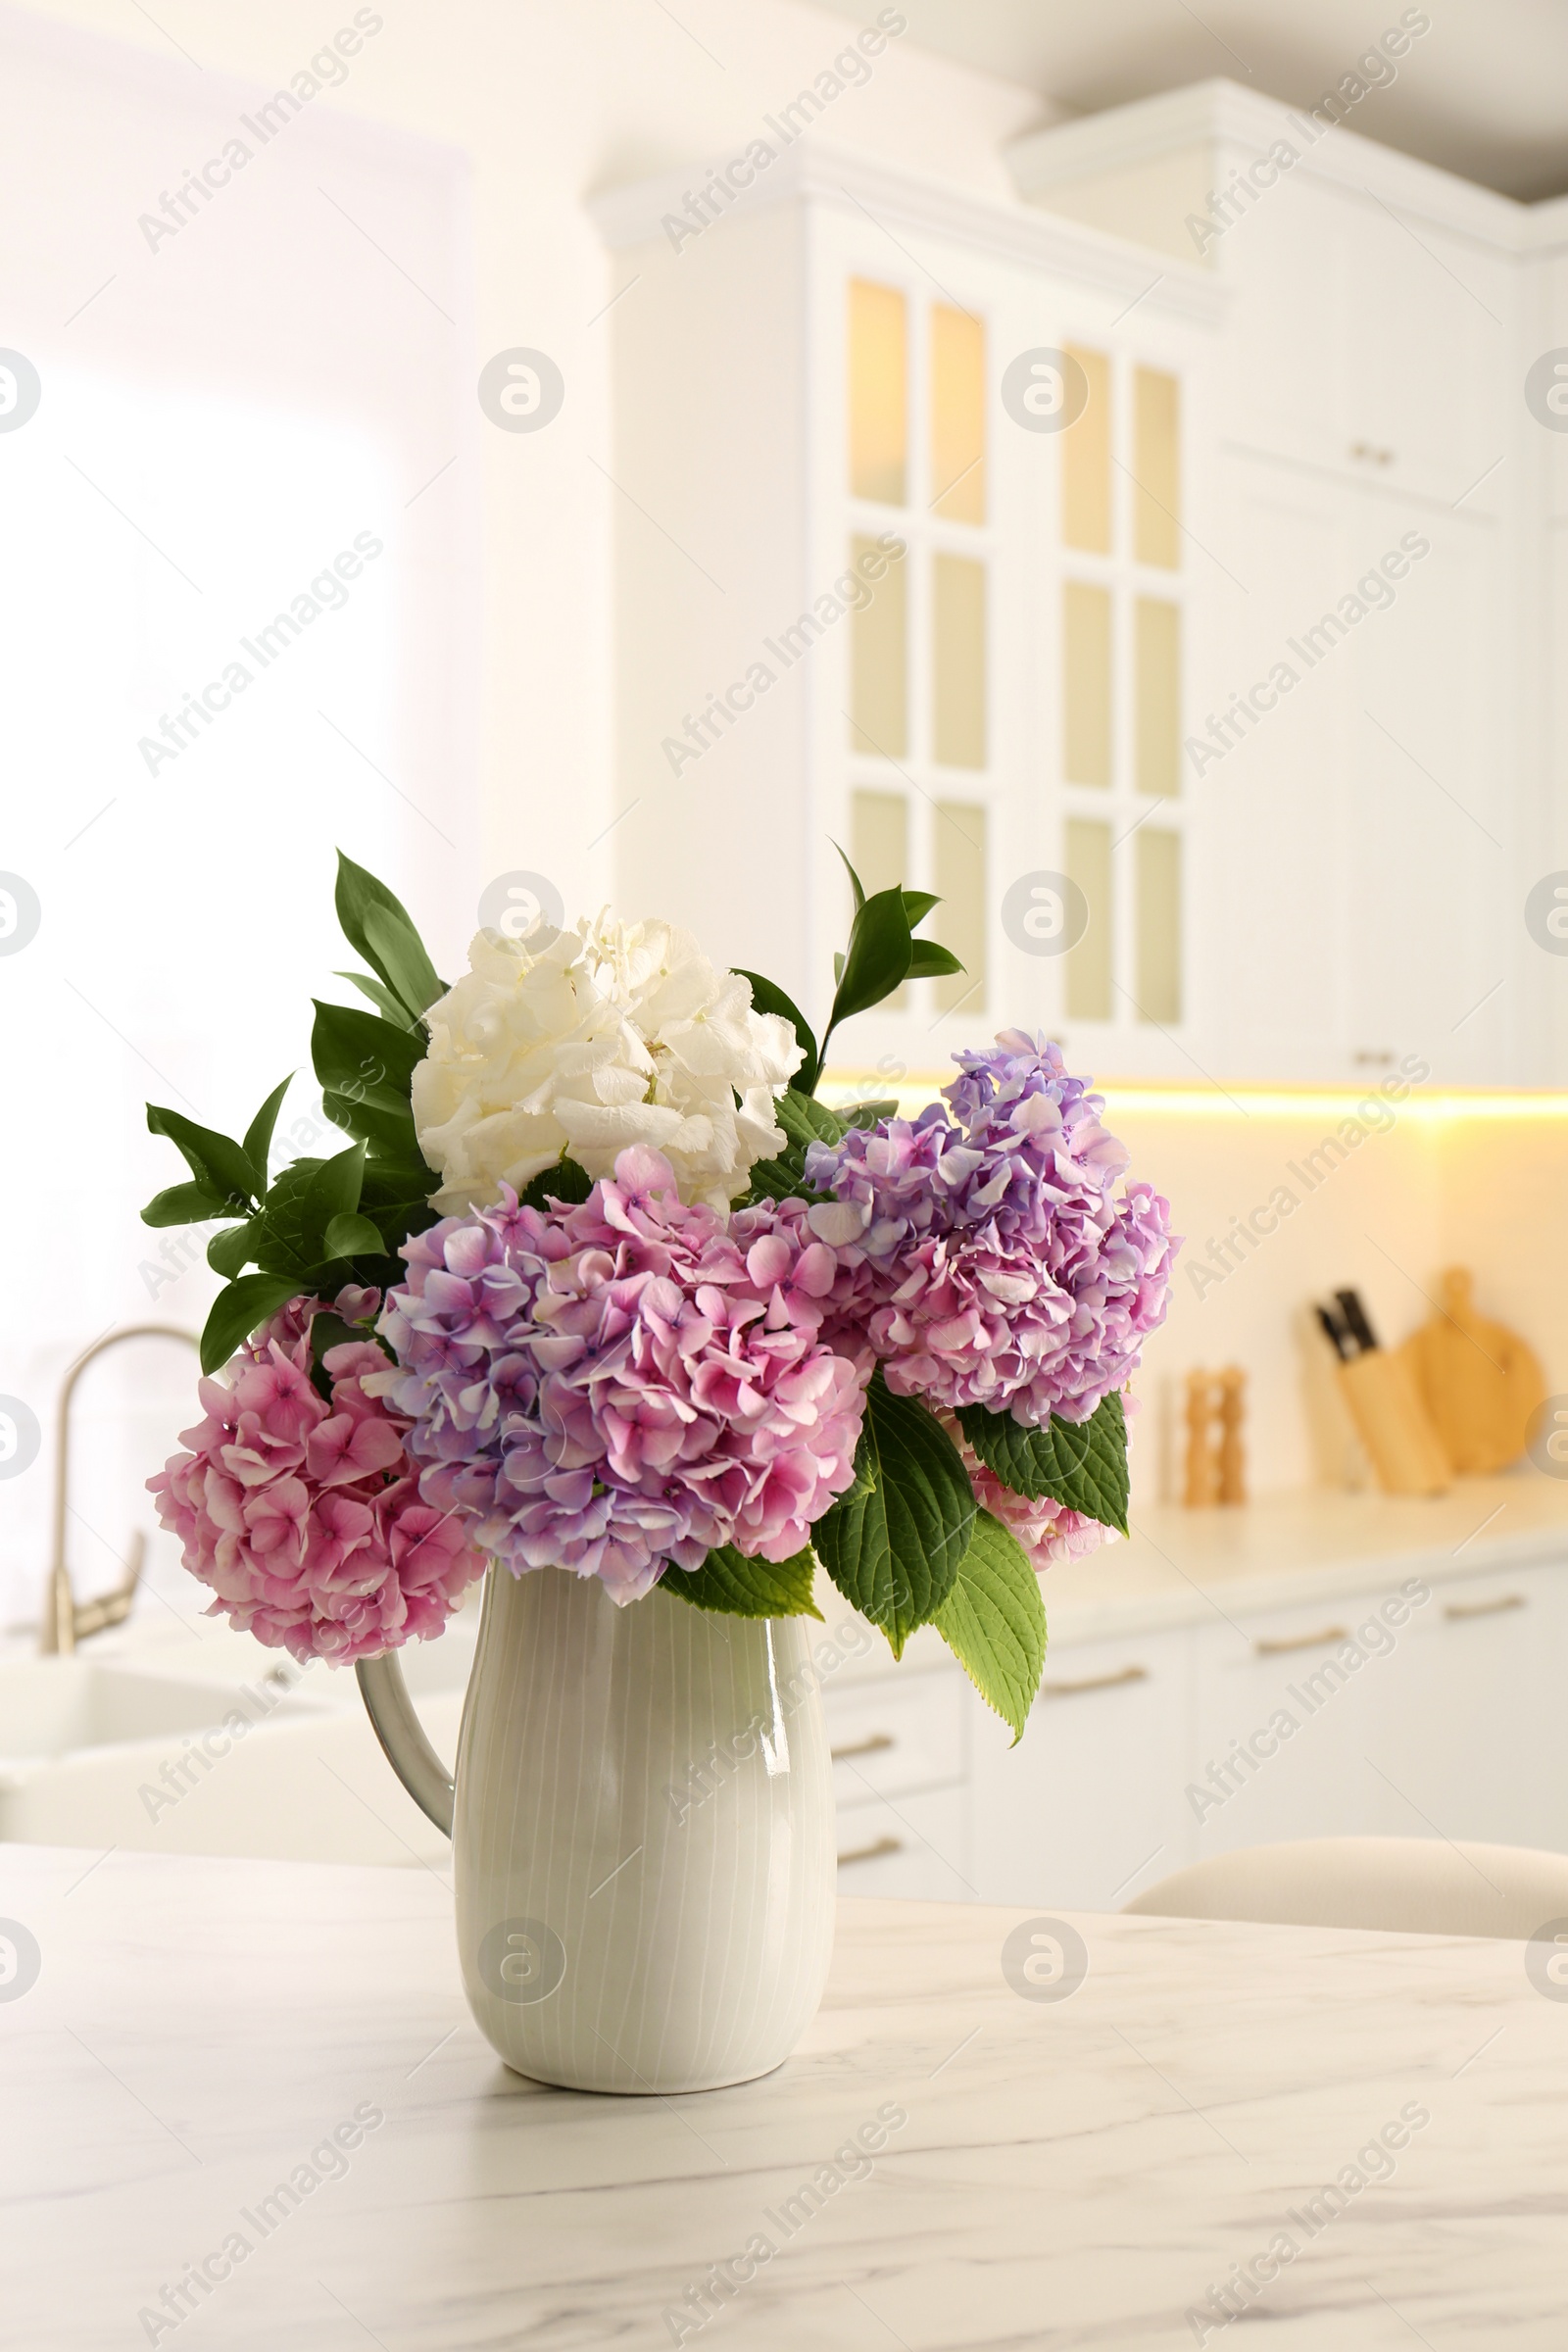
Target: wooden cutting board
pixel 1480 1382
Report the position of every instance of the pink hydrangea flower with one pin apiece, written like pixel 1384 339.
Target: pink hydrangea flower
pixel 303 1515
pixel 988 1257
pixel 625 1385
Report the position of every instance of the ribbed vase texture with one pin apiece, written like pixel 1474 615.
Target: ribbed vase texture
pixel 644 1837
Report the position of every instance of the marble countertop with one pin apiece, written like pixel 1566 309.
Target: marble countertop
pixel 1290 1550
pixel 946 2163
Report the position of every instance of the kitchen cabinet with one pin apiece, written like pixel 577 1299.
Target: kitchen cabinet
pixel 1362 825
pixel 1402 1703
pixel 1335 876
pixel 1090 1805
pixel 851 580
pixel 901 1748
pixel 911 1846
pixel 1449 1724
pixel 1477 1733
pixel 1369 842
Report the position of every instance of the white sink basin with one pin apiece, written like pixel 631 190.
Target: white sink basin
pixel 216 1746
pixel 55 1707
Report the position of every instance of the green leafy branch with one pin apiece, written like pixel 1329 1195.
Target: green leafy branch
pixel 321 1223
pixel 883 953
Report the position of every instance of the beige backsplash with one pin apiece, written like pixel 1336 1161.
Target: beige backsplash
pixel 1488 1192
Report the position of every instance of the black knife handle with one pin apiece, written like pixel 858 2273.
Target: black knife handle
pixel 1354 1313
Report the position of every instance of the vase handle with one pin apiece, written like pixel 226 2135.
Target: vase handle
pixel 402 1736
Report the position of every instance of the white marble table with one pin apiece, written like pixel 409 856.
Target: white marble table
pixel 1076 2172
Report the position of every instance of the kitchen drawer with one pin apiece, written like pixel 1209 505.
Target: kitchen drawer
pixel 1088 1809
pixel 1419 1708
pixel 912 1848
pixel 1291 1705
pixel 894 1736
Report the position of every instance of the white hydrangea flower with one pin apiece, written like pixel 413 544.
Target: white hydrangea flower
pixel 615 1034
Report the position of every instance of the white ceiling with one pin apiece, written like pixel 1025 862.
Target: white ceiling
pixel 1484 93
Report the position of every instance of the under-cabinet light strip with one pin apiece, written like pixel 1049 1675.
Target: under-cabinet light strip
pixel 1233 1102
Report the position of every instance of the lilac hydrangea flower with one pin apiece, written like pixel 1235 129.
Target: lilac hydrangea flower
pixel 625 1385
pixel 986 1254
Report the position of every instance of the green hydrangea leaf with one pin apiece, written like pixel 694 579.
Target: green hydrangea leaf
pixel 382 997
pixel 239 1311
pixel 360 1056
pixel 1080 1463
pixel 218 1164
pixel 866 1114
pixel 380 927
pixel 994 1622
pixel 186 1204
pixel 734 1586
pixel 566 1182
pixel 398 952
pixel 929 961
pixel 228 1253
pixel 259 1134
pixel 893 1544
pixel 856 884
pixel 878 958
pixel 805 1120
pixel 350 1235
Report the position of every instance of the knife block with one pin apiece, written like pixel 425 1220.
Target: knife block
pixel 1394 1424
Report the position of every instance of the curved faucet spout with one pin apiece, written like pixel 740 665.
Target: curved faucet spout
pixel 65 1620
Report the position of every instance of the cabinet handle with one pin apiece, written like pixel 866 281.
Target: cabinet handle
pixel 1330 1632
pixel 1485 1608
pixel 1095 1682
pixel 864 1748
pixel 872 1853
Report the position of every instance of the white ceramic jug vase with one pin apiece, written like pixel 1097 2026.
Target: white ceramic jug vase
pixel 642 1828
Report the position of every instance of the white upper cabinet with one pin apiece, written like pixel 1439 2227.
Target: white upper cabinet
pixel 875 590
pixel 1371 632
pixel 1179 610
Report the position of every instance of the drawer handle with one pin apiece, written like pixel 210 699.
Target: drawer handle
pixel 1095 1682
pixel 872 1853
pixel 1485 1608
pixel 864 1748
pixel 1330 1632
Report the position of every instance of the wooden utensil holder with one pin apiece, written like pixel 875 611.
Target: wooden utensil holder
pixel 1394 1426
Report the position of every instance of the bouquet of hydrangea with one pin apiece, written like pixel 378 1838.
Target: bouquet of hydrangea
pixel 600 1283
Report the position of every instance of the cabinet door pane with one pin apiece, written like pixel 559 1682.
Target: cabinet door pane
pixel 879 851
pixel 1157 468
pixel 959 662
pixel 1089 963
pixel 879 835
pixel 879 685
pixel 1156 680
pixel 1086 683
pixel 959 923
pixel 957 415
pixel 1159 926
pixel 879 395
pixel 1086 462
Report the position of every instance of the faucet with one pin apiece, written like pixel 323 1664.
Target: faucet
pixel 65 1620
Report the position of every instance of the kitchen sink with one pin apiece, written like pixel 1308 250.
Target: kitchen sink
pixel 55 1707
pixel 217 1745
